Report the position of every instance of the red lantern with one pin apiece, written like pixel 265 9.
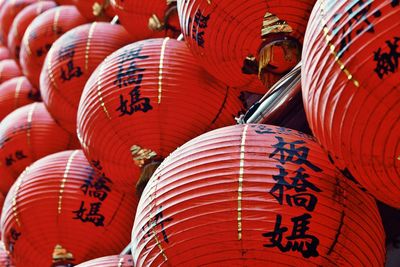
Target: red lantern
pixel 95 9
pixel 16 93
pixel 7 14
pixel 69 64
pixel 5 260
pixel 144 101
pixel 235 40
pixel 255 195
pixel 28 134
pixel 21 23
pixel 351 91
pixel 4 53
pixel 110 261
pixel 78 213
pixel 9 69
pixel 148 19
pixel 44 30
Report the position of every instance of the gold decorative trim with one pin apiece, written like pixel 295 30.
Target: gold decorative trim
pixel 61 254
pixel 17 91
pixel 160 72
pixel 240 181
pixel 90 36
pixel 272 24
pixel 29 122
pixel 99 94
pixel 14 200
pixel 141 155
pixel 56 18
pixel 64 180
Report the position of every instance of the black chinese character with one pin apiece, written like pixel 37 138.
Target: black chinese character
pixel 387 62
pixel 13 239
pixel 158 220
pixel 136 103
pixel 92 216
pixel 71 72
pixel 298 241
pixel 10 160
pixel 98 189
pixel 292 152
pixel 263 129
pixel 19 154
pixel 200 22
pixel 394 3
pixel 130 75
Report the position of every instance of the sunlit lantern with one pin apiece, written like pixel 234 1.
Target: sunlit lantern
pixel 4 52
pixel 255 195
pixel 109 261
pixel 9 69
pixel 351 90
pixel 77 211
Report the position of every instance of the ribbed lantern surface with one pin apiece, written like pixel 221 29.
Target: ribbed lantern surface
pixel 109 261
pixel 28 134
pixel 9 69
pixel 144 101
pixel 16 93
pixel 71 61
pixel 351 90
pixel 44 30
pixel 8 12
pixel 148 19
pixel 228 36
pixel 21 23
pixel 255 195
pixel 5 260
pixel 70 211
pixel 4 52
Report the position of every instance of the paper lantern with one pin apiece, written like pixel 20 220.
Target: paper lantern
pixel 9 69
pixel 16 93
pixel 351 90
pixel 28 134
pixel 238 40
pixel 144 101
pixel 77 211
pixel 69 64
pixel 21 23
pixel 95 9
pixel 148 19
pixel 109 261
pixel 44 30
pixel 255 195
pixel 7 14
pixel 4 53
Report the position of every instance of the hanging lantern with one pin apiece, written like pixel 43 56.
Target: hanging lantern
pixel 9 69
pixel 44 30
pixel 7 14
pixel 16 93
pixel 5 260
pixel 95 9
pixel 28 134
pixel 255 195
pixel 240 42
pixel 148 19
pixel 110 261
pixel 21 23
pixel 69 64
pixel 351 90
pixel 144 101
pixel 77 211
pixel 4 53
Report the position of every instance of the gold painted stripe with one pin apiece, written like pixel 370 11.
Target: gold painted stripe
pixel 17 91
pixel 1 70
pixel 29 121
pixel 240 181
pixel 209 2
pixel 26 42
pixel 64 180
pixel 56 18
pixel 49 59
pixel 160 72
pixel 99 94
pixel 114 3
pixel 14 200
pixel 90 36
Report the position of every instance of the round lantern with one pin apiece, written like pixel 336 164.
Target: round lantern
pixel 255 195
pixel 4 53
pixel 7 14
pixel 95 9
pixel 146 19
pixel 16 93
pixel 9 69
pixel 110 261
pixel 241 41
pixel 28 134
pixel 5 260
pixel 144 101
pixel 70 211
pixel 69 64
pixel 351 91
pixel 41 34
pixel 21 23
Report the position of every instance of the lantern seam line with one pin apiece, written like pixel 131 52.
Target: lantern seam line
pixel 50 70
pixel 29 122
pixel 88 43
pixel 64 180
pixel 17 91
pixel 240 182
pixel 55 20
pixel 102 104
pixel 335 240
pixel 14 200
pixel 160 72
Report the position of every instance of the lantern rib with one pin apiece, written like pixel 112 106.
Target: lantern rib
pixel 64 180
pixel 18 90
pixel 240 181
pixel 88 43
pixel 160 72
